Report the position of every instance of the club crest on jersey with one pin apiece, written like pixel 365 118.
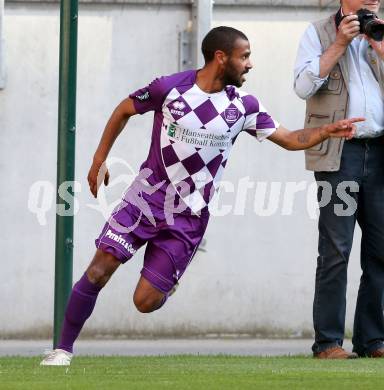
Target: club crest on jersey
pixel 231 114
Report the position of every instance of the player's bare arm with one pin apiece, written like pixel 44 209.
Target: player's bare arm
pixel 114 127
pixel 306 138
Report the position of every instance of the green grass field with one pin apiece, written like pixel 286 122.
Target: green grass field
pixel 192 372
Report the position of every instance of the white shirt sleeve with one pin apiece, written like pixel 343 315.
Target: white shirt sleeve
pixel 259 123
pixel 307 65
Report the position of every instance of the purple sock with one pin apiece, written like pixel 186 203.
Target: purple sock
pixel 79 308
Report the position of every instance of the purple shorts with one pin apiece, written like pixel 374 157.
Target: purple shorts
pixel 170 247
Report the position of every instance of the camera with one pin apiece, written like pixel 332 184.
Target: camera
pixel 370 24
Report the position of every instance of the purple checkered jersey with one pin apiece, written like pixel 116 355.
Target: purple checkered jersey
pixel 193 133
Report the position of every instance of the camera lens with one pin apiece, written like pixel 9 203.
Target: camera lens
pixel 370 24
pixel 375 31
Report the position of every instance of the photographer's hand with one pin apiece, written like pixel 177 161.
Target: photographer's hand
pixel 348 29
pixel 378 47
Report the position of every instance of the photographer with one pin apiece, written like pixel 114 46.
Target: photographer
pixel 339 72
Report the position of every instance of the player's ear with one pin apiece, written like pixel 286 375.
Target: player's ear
pixel 220 57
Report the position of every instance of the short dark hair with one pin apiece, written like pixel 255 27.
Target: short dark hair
pixel 220 38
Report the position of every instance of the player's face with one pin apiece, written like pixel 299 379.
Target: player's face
pixel 237 64
pixel 355 5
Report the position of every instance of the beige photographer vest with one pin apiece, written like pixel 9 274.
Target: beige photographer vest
pixel 330 102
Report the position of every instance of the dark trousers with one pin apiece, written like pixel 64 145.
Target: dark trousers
pixel 357 194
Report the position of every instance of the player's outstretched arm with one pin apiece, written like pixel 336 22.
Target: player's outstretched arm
pixel 306 138
pixel 119 118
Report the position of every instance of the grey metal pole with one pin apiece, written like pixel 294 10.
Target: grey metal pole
pixel 65 159
pixel 201 24
pixel 2 62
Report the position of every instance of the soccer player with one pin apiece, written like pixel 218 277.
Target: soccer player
pixel 198 115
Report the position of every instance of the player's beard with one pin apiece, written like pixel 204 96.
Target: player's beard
pixel 232 76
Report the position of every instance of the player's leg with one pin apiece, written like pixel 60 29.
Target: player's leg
pixel 81 304
pixel 116 245
pixel 158 279
pixel 84 295
pixel 148 298
pixel 167 256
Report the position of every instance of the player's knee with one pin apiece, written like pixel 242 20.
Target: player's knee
pixel 101 269
pixel 97 275
pixel 145 303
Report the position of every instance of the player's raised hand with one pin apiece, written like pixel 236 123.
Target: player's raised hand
pixel 97 175
pixel 343 128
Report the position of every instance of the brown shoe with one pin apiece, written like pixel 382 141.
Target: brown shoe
pixel 379 353
pixel 335 353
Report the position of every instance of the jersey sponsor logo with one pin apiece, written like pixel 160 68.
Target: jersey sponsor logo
pixel 231 114
pixel 143 97
pixel 198 137
pixel 177 112
pixel 178 105
pixel 172 130
pixel 178 108
pixel 120 240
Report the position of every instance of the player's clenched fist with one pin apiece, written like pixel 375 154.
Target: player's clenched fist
pixel 97 174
